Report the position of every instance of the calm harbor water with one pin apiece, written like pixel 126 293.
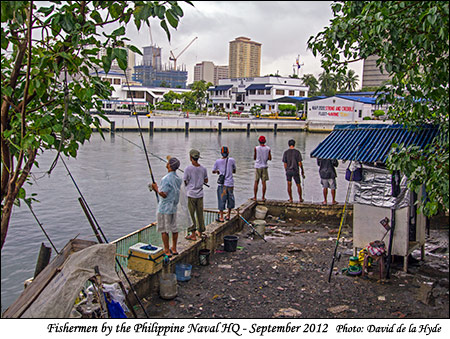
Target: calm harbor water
pixel 113 175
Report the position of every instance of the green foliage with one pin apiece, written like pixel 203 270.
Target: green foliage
pixel 50 86
pixel 255 110
pixel 378 113
pixel 287 109
pixel 411 40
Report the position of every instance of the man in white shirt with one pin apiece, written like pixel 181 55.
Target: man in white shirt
pixel 261 156
pixel 195 176
pixel 225 167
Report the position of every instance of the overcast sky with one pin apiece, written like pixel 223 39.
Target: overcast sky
pixel 282 27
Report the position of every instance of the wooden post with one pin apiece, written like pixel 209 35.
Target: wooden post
pixel 151 127
pixel 43 259
pixel 275 127
pixel 248 129
pixel 220 127
pixel 186 127
pixel 113 127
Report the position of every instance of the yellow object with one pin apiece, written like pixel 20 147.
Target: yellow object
pixel 144 260
pixel 361 256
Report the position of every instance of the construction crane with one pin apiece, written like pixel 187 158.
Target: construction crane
pixel 175 58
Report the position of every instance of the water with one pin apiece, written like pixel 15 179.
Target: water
pixel 113 175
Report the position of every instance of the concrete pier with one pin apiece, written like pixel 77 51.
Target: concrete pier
pixel 217 124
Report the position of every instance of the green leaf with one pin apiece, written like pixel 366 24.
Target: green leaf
pixel 173 21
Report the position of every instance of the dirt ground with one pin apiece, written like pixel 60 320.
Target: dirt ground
pixel 287 277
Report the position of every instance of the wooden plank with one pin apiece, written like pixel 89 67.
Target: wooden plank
pixel 30 294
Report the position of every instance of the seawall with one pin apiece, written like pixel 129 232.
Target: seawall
pixel 216 124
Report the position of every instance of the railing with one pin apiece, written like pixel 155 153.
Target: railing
pixel 148 235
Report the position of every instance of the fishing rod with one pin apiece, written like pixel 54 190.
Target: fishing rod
pixel 142 137
pixel 157 157
pixel 104 237
pixel 41 226
pixel 251 226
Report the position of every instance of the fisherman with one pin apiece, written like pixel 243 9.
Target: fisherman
pixel 261 156
pixel 292 160
pixel 195 175
pixel 167 208
pixel 328 176
pixel 225 167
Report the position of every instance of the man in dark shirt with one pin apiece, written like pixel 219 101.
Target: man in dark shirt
pixel 292 160
pixel 328 175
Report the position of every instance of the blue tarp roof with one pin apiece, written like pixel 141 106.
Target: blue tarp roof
pixel 366 100
pixel 370 143
pixel 220 88
pixel 257 86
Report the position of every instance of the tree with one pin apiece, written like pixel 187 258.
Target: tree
pixel 50 58
pixel 199 91
pixel 311 81
pixel 411 40
pixel 328 85
pixel 350 80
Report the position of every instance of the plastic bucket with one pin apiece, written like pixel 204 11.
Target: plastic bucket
pixel 230 243
pixel 168 288
pixel 260 227
pixel 203 256
pixel 183 272
pixel 260 212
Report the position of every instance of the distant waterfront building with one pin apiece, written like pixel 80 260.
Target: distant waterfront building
pixel 207 71
pixel 244 58
pixel 151 73
pixel 244 93
pixel 372 76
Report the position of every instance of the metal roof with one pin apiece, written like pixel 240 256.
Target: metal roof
pixel 370 143
pixel 293 99
pixel 258 86
pixel 220 88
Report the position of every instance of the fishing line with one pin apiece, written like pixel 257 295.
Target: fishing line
pixel 42 227
pixel 104 237
pixel 157 157
pixel 140 132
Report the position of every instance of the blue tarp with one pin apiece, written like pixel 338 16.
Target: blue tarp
pixel 370 143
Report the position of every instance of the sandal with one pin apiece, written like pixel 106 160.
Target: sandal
pixel 227 218
pixel 218 220
pixel 191 237
pixel 173 253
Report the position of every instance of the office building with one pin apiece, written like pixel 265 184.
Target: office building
pixel 244 59
pixel 209 72
pixel 372 76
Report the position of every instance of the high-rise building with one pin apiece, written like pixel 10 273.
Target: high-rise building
pixel 207 71
pixel 153 74
pixel 244 59
pixel 372 76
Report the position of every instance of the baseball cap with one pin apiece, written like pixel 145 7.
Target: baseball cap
pixel 224 151
pixel 194 153
pixel 262 139
pixel 174 163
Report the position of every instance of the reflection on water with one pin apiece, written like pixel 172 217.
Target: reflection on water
pixel 113 176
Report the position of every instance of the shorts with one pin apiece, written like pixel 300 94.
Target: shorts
pixel 167 223
pixel 329 183
pixel 262 173
pixel 293 174
pixel 225 197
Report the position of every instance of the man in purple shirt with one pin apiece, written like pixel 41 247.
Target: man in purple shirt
pixel 225 167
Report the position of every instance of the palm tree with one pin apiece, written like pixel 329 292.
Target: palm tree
pixel 351 80
pixel 328 85
pixel 311 81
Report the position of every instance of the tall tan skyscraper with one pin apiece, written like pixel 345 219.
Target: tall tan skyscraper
pixel 244 59
pixel 372 76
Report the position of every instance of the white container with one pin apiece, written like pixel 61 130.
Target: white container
pixel 168 287
pixel 260 212
pixel 260 227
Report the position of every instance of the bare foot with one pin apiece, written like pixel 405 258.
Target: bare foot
pixel 324 203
